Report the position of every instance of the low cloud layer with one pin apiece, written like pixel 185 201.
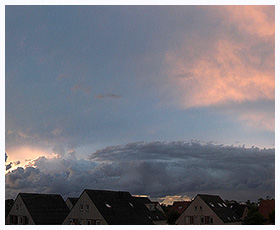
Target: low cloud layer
pixel 158 169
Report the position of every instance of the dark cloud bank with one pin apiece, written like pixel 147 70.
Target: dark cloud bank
pixel 155 168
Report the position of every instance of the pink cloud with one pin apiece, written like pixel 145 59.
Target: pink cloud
pixel 263 120
pixel 207 71
pixel 257 20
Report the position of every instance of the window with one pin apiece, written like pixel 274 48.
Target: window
pixel 211 220
pixel 200 207
pixel 187 220
pixel 71 221
pixel 20 220
pixel 81 207
pixel 220 205
pixel 108 205
pixel 26 220
pixel 80 222
pixel 180 207
pixel 20 207
pixel 16 206
pixel 131 204
pixel 98 222
pixel 212 205
pixel 88 222
pixel 224 205
pixel 195 207
pixel 87 207
pixel 202 220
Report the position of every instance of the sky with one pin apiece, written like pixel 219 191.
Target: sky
pixel 166 101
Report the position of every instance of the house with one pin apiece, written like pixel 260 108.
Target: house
pixel 208 209
pixel 71 201
pixel 266 206
pixel 102 207
pixel 157 216
pixel 39 209
pixel 180 206
pixel 8 205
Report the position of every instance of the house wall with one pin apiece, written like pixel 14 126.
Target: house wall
pixel 83 216
pixel 197 213
pixel 19 211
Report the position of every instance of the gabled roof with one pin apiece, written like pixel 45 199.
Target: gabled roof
pixel 8 205
pixel 45 208
pixel 119 207
pixel 180 206
pixel 220 208
pixel 73 200
pixel 156 215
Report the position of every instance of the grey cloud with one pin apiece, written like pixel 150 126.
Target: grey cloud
pixel 8 166
pixel 157 169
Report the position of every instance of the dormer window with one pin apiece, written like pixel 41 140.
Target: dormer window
pixel 108 205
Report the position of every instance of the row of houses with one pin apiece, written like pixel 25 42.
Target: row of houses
pixel 103 207
pixel 93 207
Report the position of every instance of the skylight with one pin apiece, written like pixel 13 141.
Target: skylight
pixel 212 205
pixel 131 204
pixel 108 205
pixel 224 204
pixel 220 205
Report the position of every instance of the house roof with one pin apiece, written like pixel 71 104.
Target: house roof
pixel 156 215
pixel 180 206
pixel 220 208
pixel 237 208
pixel 8 205
pixel 73 200
pixel 45 208
pixel 266 206
pixel 119 207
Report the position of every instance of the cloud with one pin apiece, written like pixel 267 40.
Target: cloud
pixel 107 96
pixel 231 62
pixel 8 166
pixel 78 87
pixel 158 169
